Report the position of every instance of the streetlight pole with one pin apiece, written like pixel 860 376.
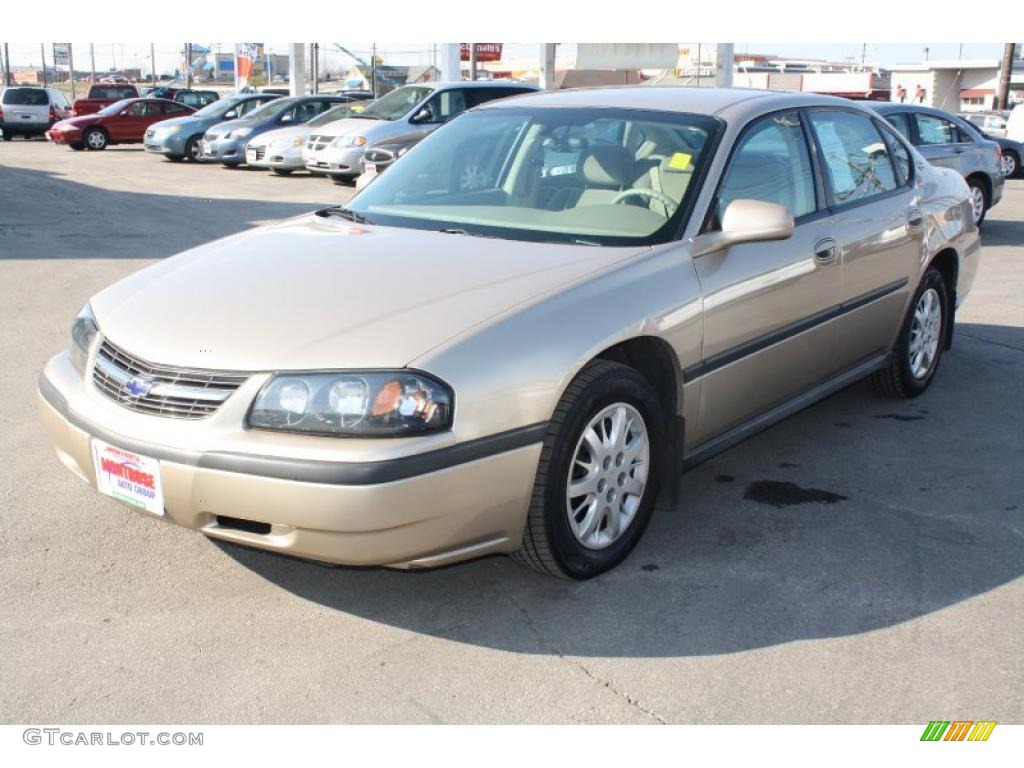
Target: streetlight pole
pixel 42 52
pixel 92 61
pixel 1003 93
pixel 7 64
pixel 152 62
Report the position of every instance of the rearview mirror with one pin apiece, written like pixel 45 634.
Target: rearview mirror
pixel 747 221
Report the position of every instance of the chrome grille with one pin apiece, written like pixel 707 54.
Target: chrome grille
pixel 259 150
pixel 160 390
pixel 319 142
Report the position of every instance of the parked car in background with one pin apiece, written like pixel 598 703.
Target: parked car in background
pixel 30 111
pixel 1015 124
pixel 103 95
pixel 225 143
pixel 991 124
pixel 380 157
pixel 195 98
pixel 944 141
pixel 1010 151
pixel 380 385
pixel 124 122
pixel 356 95
pixel 337 150
pixel 280 150
pixel 181 138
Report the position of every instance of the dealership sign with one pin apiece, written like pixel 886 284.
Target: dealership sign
pixel 484 51
pixel 62 54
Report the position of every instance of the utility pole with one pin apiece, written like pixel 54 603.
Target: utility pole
pixel 316 67
pixel 1003 92
pixel 92 60
pixel 723 65
pixel 863 54
pixel 42 52
pixel 152 62
pixel 188 65
pixel 7 64
pixel 373 69
pixel 472 61
pixel 71 72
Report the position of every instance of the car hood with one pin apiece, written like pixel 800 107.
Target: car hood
pixel 229 125
pixel 188 120
pixel 286 133
pixel 319 292
pixel 80 121
pixel 362 126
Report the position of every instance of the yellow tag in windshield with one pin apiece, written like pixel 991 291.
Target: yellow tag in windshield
pixel 680 161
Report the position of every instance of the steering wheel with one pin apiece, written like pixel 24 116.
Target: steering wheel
pixel 661 197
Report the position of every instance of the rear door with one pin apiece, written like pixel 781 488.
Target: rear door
pixel 27 106
pixel 871 188
pixel 943 143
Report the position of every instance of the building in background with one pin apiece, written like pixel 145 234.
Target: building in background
pixel 965 85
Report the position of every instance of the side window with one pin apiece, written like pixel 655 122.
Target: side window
pixel 899 121
pixel 935 130
pixel 900 154
pixel 446 105
pixel 174 109
pixel 857 159
pixel 138 109
pixel 772 163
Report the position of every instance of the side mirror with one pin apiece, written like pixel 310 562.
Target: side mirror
pixel 231 115
pixel 422 116
pixel 747 221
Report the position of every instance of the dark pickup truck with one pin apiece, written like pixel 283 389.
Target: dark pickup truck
pixel 103 95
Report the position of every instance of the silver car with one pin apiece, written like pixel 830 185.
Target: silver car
pixel 337 149
pixel 643 278
pixel 946 142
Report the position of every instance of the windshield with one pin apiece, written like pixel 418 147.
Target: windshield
pixel 397 103
pixel 116 107
pixel 589 176
pixel 271 109
pixel 218 108
pixel 337 113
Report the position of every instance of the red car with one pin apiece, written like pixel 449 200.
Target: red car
pixel 124 122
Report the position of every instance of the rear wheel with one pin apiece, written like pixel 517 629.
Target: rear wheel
pixel 597 479
pixel 96 139
pixel 978 198
pixel 1011 165
pixel 915 358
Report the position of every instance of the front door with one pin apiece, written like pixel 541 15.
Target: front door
pixel 767 305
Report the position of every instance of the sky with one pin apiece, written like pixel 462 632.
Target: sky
pixel 136 55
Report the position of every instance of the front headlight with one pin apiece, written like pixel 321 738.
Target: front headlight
pixel 371 404
pixel 239 133
pixel 172 129
pixel 348 141
pixel 83 332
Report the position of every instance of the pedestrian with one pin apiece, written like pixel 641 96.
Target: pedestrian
pixel 901 94
pixel 919 94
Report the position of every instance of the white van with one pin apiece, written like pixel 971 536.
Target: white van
pixel 1015 124
pixel 29 111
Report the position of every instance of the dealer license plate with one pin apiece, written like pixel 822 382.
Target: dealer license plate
pixel 128 477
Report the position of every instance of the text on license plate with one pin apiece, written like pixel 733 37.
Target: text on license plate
pixel 128 477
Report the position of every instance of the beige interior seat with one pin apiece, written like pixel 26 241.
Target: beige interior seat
pixel 604 171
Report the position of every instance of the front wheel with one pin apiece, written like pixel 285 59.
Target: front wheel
pixel 194 149
pixel 597 479
pixel 282 171
pixel 915 358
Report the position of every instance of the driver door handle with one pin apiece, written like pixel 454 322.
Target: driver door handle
pixel 825 251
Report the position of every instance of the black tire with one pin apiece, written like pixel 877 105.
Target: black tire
pixel 549 545
pixel 77 146
pixel 1018 172
pixel 175 158
pixel 973 184
pixel 232 166
pixel 194 150
pixel 282 171
pixel 95 139
pixel 897 379
pixel 343 180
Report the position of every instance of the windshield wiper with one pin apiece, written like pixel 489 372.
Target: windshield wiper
pixel 467 233
pixel 345 213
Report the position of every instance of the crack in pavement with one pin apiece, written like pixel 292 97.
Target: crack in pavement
pixel 989 341
pixel 631 700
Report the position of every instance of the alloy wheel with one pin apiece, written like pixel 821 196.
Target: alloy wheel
pixel 977 203
pixel 1009 165
pixel 924 333
pixel 607 476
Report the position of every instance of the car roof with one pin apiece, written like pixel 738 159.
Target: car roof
pixel 681 99
pixel 442 84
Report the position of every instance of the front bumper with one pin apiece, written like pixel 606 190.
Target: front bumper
pixel 63 137
pixel 428 509
pixel 165 143
pixel 260 155
pixel 231 151
pixel 336 162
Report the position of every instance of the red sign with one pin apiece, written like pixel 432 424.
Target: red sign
pixel 484 51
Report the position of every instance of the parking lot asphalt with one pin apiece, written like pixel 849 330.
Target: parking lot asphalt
pixel 895 597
